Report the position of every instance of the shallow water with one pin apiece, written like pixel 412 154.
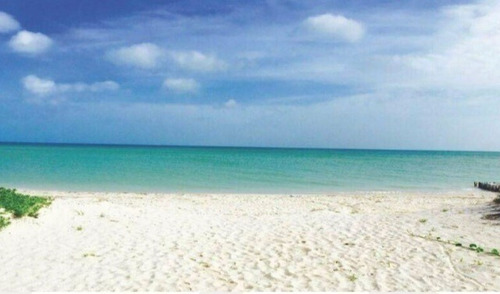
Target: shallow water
pixel 239 170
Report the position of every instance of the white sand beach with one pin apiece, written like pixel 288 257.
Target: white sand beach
pixel 165 242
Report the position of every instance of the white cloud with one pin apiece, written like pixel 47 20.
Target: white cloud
pixel 181 85
pixel 30 43
pixel 144 55
pixel 335 26
pixel 230 103
pixel 8 23
pixel 95 87
pixel 464 52
pixel 39 86
pixel 45 87
pixel 197 61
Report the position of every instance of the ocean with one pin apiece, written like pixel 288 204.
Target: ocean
pixel 239 170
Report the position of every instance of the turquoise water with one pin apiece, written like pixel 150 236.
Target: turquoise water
pixel 239 170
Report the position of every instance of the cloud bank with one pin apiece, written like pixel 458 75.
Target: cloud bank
pixel 464 52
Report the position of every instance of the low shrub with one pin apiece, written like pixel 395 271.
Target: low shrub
pixel 21 205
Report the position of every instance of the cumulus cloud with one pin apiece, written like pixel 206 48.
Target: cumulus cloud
pixel 335 26
pixel 144 55
pixel 8 23
pixel 30 43
pixel 45 87
pixel 230 103
pixel 39 86
pixel 197 61
pixel 181 85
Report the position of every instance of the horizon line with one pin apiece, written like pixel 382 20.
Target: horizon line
pixel 228 146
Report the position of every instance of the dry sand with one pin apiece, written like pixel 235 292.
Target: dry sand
pixel 341 242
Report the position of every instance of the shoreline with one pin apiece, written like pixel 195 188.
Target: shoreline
pixel 345 241
pixel 430 192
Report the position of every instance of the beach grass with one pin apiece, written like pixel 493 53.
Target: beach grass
pixel 4 222
pixel 20 205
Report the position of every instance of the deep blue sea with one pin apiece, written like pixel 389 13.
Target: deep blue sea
pixel 239 170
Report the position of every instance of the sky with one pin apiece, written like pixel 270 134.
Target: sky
pixel 416 74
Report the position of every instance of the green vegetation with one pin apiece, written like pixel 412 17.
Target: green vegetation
pixel 19 205
pixel 4 222
pixel 422 220
pixel 472 246
pixel 352 278
pixel 476 248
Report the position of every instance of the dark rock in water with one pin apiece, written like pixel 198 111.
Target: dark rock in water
pixel 492 186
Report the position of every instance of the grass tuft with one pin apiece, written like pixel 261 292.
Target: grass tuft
pixel 13 204
pixel 21 205
pixel 4 222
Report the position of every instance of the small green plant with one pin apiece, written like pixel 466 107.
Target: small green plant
pixel 445 210
pixel 79 228
pixel 4 222
pixel 472 246
pixel 21 205
pixel 352 278
pixel 497 200
pixel 476 248
pixel 422 220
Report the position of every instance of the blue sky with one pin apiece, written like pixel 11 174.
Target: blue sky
pixel 339 74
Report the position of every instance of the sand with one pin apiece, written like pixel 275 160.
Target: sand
pixel 165 242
